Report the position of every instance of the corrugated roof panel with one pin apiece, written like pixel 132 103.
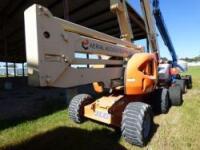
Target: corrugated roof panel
pixel 94 14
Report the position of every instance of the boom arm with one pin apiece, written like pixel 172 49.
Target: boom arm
pixel 163 30
pixel 119 7
pixel 51 46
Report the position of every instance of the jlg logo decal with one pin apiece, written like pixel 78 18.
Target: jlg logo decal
pixel 85 44
pixel 103 115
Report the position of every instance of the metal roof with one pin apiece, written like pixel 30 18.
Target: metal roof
pixel 94 14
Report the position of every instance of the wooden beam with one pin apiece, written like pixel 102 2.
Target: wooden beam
pixel 66 9
pixel 18 7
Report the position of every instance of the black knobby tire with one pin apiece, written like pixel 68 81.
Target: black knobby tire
pixel 76 107
pixel 189 79
pixel 137 123
pixel 182 84
pixel 164 100
pixel 162 103
pixel 175 95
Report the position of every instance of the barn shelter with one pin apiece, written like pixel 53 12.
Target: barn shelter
pixel 94 14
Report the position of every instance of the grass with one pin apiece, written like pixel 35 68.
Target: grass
pixel 179 129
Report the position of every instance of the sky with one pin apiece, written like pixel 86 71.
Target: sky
pixel 182 18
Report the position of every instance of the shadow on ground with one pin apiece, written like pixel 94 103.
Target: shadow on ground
pixel 18 106
pixel 64 138
pixel 27 103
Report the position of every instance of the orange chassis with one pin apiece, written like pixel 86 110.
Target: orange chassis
pixel 140 79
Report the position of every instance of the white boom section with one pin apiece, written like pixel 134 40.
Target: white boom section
pixel 150 25
pixel 119 7
pixel 51 45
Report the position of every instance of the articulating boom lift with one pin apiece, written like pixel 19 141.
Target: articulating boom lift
pixel 164 68
pixel 122 67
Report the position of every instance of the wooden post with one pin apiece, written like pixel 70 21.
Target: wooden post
pixel 14 69
pixel 66 9
pixel 6 69
pixel 87 56
pixel 147 45
pixel 5 45
pixel 23 69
